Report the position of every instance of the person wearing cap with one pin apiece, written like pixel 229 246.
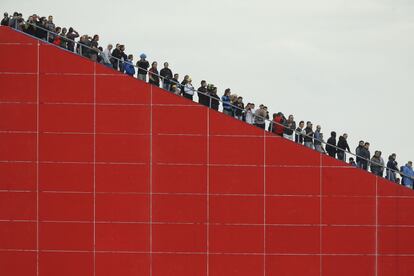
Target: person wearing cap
pixel 5 20
pixel 143 66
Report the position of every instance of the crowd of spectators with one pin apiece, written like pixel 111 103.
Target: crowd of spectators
pixel 232 104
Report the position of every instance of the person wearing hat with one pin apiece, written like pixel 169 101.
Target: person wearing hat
pixel 143 66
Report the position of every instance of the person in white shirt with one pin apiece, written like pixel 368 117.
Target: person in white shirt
pixel 188 90
pixel 106 56
pixel 250 113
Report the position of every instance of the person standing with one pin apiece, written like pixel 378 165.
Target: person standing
pixel 106 56
pixel 308 139
pixel 392 168
pixel 226 103
pixel 71 36
pixel 290 126
pixel 215 99
pixel 202 93
pixel 51 27
pixel 129 66
pixel 259 117
pixel 188 90
pixel 239 109
pixel 154 79
pixel 166 75
pixel 143 66
pixel 278 126
pixel 174 81
pixel 365 156
pixel 317 135
pixel 331 145
pixel 299 133
pixel 250 113
pixel 358 153
pixel 343 146
pixel 408 175
pixel 5 20
pixel 377 164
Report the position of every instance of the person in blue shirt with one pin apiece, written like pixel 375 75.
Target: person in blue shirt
pixel 129 66
pixel 227 109
pixel 408 175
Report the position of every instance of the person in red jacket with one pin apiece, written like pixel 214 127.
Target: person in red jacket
pixel 278 128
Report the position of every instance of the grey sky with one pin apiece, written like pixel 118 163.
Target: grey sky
pixel 346 65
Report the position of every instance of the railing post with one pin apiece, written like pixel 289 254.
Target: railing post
pixel 47 36
pixel 80 48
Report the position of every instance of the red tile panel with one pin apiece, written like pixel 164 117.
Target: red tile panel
pixel 236 180
pixel 126 264
pixel 17 206
pixel 18 88
pixel 286 265
pixel 122 148
pixel 18 263
pixel 236 265
pixel 66 88
pixel 292 239
pixel 23 62
pixel 122 237
pixel 348 265
pixel 17 117
pixel 70 177
pixel 122 207
pixel 179 178
pixel 236 150
pixel 122 178
pixel 348 240
pixel 122 119
pixel 65 236
pixel 17 235
pixel 18 176
pixel 293 180
pixel 179 264
pixel 179 208
pixel 179 238
pixel 349 210
pixel 236 239
pixel 17 146
pixel 66 118
pixel 65 207
pixel 292 210
pixel 62 263
pixel 236 209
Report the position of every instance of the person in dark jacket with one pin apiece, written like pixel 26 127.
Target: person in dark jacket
pixel 202 93
pixel 239 109
pixel 358 153
pixel 143 66
pixel 331 145
pixel 365 156
pixel 174 81
pixel 392 168
pixel 41 31
pixel 215 99
pixel 154 79
pixel 290 126
pixel 71 36
pixel 166 75
pixel 308 139
pixel 343 146
pixel 377 164
pixel 5 20
pixel 299 132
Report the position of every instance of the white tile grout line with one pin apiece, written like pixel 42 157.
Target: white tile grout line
pixel 150 185
pixel 320 216
pixel 208 195
pixel 37 158
pixel 376 226
pixel 94 169
pixel 264 203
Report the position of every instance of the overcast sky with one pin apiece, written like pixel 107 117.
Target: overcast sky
pixel 346 65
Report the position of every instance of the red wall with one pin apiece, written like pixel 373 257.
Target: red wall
pixel 102 174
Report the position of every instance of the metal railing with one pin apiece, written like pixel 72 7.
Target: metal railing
pixel 273 123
